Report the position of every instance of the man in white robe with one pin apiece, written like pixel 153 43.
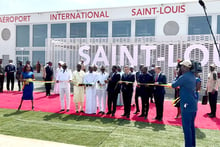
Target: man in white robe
pixel 64 78
pixel 90 80
pixel 78 89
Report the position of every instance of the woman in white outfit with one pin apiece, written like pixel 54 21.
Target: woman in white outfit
pixel 56 85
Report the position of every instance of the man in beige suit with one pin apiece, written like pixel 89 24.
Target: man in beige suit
pixel 78 89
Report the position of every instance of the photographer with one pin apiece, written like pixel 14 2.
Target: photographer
pixel 188 103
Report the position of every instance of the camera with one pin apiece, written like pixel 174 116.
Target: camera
pixel 196 67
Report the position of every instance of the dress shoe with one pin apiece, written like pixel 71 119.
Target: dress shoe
pixel 141 115
pixel 108 113
pixel 159 119
pixel 77 111
pixel 113 114
pixel 82 111
pixel 136 112
pixel 123 115
pixel 67 110
pixel 61 110
pixel 178 116
pixel 127 116
pixel 208 113
pixel 155 118
pixel 100 112
pixel 211 115
pixel 103 113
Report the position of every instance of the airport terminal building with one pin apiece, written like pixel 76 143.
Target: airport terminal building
pixel 147 34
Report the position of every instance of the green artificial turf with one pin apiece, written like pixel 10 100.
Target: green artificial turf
pixel 95 131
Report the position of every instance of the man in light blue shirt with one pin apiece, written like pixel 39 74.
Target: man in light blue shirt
pixel 188 101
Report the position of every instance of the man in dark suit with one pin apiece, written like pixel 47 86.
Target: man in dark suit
pixel 137 91
pixel 48 77
pixel 113 89
pixel 159 92
pixel 145 91
pixel 2 76
pixel 10 70
pixel 126 82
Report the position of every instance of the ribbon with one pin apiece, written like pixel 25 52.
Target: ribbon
pixel 176 101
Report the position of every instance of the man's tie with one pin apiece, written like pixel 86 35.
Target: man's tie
pixel 156 78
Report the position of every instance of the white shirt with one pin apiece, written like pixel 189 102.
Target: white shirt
pixel 101 77
pixel 64 76
pixel 211 83
pixel 90 78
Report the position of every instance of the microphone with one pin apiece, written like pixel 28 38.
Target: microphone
pixel 202 4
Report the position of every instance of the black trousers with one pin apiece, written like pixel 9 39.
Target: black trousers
pixel 213 102
pixel 10 79
pixel 1 82
pixel 48 87
pixel 19 85
pixel 145 104
pixel 127 96
pixel 159 101
pixel 112 100
pixel 137 95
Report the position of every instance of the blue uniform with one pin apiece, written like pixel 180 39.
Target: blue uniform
pixel 188 105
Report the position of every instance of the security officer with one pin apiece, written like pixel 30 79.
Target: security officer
pixel 126 82
pixel 145 91
pixel 2 76
pixel 10 70
pixel 48 76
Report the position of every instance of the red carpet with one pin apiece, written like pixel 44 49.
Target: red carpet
pixel 11 100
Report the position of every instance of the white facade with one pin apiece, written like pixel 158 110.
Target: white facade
pixel 171 28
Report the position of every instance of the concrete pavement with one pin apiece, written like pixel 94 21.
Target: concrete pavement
pixel 11 141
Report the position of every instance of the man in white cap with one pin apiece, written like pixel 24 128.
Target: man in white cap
pixel 102 78
pixel 188 103
pixel 64 78
pixel 212 90
pixel 78 89
pixel 90 80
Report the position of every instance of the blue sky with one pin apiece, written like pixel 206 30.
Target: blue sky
pixel 28 6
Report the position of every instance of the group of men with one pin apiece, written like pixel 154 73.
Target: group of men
pixel 102 87
pixel 10 70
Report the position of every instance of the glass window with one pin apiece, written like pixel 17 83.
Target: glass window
pixel 99 29
pixel 23 59
pixel 145 27
pixel 121 28
pixel 38 56
pixel 22 53
pixel 22 35
pixel 198 25
pixel 58 30
pixel 39 35
pixel 78 30
pixel 218 25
